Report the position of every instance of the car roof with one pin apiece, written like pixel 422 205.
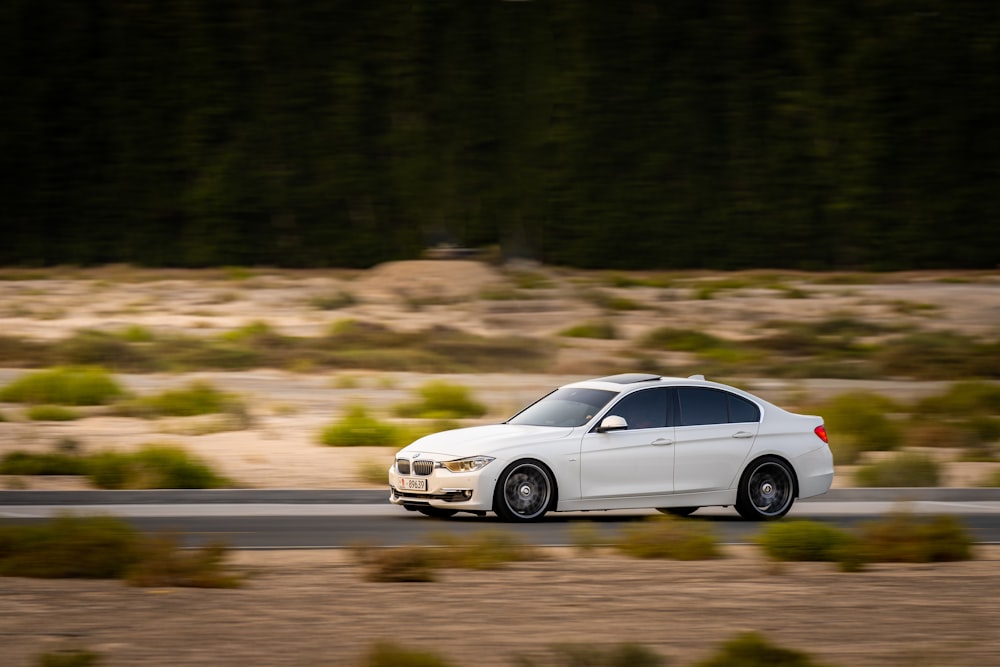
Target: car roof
pixel 624 381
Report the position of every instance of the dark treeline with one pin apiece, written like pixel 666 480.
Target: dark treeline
pixel 622 134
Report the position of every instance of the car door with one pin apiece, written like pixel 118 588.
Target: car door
pixel 715 431
pixel 635 461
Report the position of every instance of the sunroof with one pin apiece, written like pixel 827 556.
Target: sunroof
pixel 629 378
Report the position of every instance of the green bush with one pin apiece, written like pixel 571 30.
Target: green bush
pixel 964 399
pixel 51 413
pixel 680 340
pixel 399 564
pixel 484 550
pixel 442 400
pixel 600 329
pixel 197 398
pixel 803 540
pixel 907 538
pixel 590 655
pixel 68 385
pixel 667 537
pixel 358 429
pixel 73 658
pixel 104 547
pixel 857 422
pixel 152 467
pixel 387 654
pixel 993 480
pixel 47 463
pixel 67 547
pixel 905 469
pixel 753 650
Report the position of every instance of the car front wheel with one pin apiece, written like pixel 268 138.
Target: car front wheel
pixel 767 490
pixel 524 492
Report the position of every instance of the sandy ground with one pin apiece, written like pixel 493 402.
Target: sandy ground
pixel 314 608
pixel 279 449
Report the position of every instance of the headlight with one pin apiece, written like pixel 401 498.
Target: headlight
pixel 471 464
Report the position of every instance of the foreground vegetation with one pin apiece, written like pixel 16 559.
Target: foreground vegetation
pixel 105 547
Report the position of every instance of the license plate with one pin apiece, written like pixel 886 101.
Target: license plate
pixel 412 484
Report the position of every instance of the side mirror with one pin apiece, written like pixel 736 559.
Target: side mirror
pixel 612 423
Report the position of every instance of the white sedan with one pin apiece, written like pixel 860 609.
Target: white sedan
pixel 621 442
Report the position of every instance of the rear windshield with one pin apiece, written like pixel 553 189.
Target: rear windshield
pixel 564 407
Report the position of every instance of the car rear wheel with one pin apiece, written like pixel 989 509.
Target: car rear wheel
pixel 524 492
pixel 767 490
pixel 436 512
pixel 677 511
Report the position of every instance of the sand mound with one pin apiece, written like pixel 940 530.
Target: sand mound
pixel 427 279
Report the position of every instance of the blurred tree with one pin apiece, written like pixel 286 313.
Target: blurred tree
pixel 807 134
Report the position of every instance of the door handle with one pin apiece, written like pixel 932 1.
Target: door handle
pixel 742 434
pixel 660 442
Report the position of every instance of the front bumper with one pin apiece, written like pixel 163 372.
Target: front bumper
pixel 445 489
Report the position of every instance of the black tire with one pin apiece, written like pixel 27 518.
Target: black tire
pixel 767 489
pixel 436 512
pixel 525 491
pixel 677 511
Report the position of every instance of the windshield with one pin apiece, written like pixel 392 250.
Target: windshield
pixel 564 407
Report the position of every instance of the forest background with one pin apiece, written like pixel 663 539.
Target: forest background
pixel 630 134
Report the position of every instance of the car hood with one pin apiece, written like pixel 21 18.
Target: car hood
pixel 488 440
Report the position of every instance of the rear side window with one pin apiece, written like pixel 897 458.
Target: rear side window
pixel 703 405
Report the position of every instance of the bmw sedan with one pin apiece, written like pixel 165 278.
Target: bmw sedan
pixel 621 442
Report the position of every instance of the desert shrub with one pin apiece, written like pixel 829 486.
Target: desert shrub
pixel 333 300
pixel 599 329
pixel 803 540
pixel 71 658
pixel 152 467
pixel 905 469
pixel 667 537
pixel 907 538
pixel 67 385
pixel 753 650
pixel 937 355
pixel 102 348
pixel 373 472
pixel 44 463
pixel 992 480
pixel 162 562
pixel 409 563
pixel 51 413
pixel 387 654
pixel 585 535
pixel 197 398
pixel 484 550
pixel 858 422
pixel 963 399
pixel 681 340
pixel 105 547
pixel 590 655
pixel 99 547
pixel 358 429
pixel 442 400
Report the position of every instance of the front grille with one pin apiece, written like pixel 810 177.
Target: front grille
pixel 423 467
pixel 403 466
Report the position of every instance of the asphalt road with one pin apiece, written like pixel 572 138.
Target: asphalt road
pixel 330 519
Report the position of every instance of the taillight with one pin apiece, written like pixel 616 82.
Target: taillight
pixel 820 431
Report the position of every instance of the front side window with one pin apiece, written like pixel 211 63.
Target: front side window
pixel 568 406
pixel 643 409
